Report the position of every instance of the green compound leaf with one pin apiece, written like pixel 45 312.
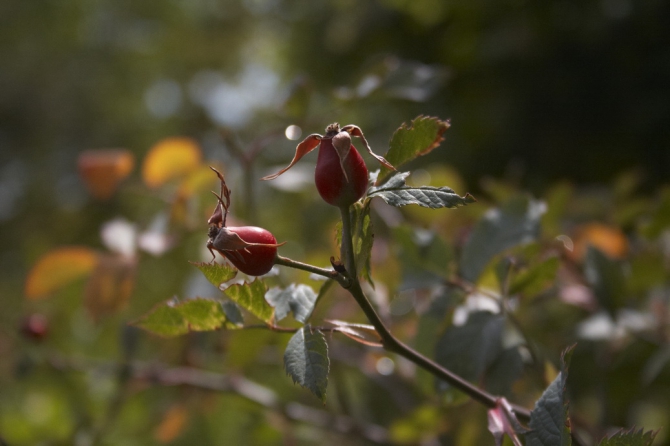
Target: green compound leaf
pixel 515 223
pixel 251 297
pixel 629 437
pixel 216 273
pixel 396 193
pixel 297 299
pixel 306 360
pixel 549 418
pixel 173 319
pixel 409 142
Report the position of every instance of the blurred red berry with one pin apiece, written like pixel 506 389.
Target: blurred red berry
pixel 35 326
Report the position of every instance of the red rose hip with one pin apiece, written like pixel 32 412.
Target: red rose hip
pixel 340 176
pixel 251 249
pixel 35 326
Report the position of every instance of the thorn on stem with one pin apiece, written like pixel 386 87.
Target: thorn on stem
pixel 338 265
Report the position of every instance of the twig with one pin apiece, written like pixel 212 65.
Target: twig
pixel 329 273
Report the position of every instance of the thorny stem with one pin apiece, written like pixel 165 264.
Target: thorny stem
pixel 391 343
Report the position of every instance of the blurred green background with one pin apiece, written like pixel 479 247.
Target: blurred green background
pixel 535 91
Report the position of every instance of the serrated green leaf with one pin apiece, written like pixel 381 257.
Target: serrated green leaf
pixel 549 418
pixel 169 319
pixel 630 437
pixel 306 360
pixel 470 349
pixel 396 193
pixel 409 142
pixel 516 223
pixel 606 278
pixel 533 280
pixel 216 273
pixel 297 299
pixel 251 297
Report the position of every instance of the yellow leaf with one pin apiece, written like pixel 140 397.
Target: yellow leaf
pixel 173 424
pixel 103 170
pixel 170 158
pixel 109 288
pixel 57 269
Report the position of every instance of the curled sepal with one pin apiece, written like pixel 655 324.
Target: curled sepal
pixel 307 145
pixel 354 130
pixel 226 240
pixel 220 213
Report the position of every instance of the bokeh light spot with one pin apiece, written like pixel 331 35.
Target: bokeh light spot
pixel 293 132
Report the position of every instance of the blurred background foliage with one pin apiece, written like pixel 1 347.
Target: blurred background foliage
pixel 561 99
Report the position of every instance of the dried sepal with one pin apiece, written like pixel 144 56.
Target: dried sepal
pixel 307 145
pixel 220 213
pixel 356 131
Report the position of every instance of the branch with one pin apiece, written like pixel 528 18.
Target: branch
pixel 391 343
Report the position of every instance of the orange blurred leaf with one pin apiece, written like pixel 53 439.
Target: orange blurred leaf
pixel 109 288
pixel 170 158
pixel 173 424
pixel 608 239
pixel 57 269
pixel 103 170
